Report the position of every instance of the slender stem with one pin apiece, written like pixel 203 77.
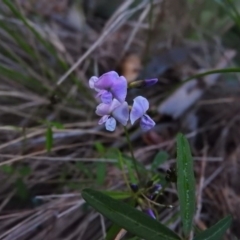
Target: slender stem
pixel 131 151
pixel 155 203
pixel 122 168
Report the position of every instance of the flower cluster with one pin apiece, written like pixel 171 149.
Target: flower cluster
pixel 112 91
pixel 150 192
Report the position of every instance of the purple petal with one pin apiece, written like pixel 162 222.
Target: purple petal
pixel 106 97
pixel 139 108
pixel 110 124
pixel 146 123
pixel 103 119
pixel 121 113
pixel 106 80
pixel 119 89
pixel 103 109
pixel 100 93
pixel 150 213
pixel 114 104
pixel 92 82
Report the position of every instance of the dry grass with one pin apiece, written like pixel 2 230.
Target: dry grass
pixel 44 81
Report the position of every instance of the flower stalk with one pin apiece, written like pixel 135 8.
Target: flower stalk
pixel 132 153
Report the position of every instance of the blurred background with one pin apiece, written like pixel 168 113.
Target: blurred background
pixel 51 145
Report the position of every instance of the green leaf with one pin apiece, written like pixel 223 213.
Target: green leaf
pixel 159 159
pixel 128 217
pixel 117 194
pixel 100 148
pixel 101 172
pixel 185 183
pixel 7 169
pixel 112 232
pixel 216 231
pixel 21 188
pixel 49 138
pixel 57 125
pixel 25 171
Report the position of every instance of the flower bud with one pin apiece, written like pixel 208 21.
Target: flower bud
pixel 143 83
pixel 150 213
pixel 134 187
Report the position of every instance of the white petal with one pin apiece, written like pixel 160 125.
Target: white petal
pixel 110 124
pixel 121 113
pixel 114 104
pixel 92 82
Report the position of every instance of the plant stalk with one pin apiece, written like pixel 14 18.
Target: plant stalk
pixel 132 153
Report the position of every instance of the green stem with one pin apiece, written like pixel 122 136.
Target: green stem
pixel 131 151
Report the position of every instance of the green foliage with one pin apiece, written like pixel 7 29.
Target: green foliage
pixel 185 183
pixel 101 172
pixel 100 148
pixel 117 194
pixel 8 169
pixel 160 158
pixel 112 232
pixel 21 188
pixel 127 217
pixel 231 8
pixel 49 133
pixel 24 171
pixel 217 231
pixel 49 138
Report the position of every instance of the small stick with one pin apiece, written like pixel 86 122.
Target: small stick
pixel 120 234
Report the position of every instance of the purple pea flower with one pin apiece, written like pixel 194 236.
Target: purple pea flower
pixel 110 85
pixel 139 109
pixel 111 112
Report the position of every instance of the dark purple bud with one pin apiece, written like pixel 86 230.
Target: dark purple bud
pixel 150 82
pixel 134 187
pixel 157 187
pixel 150 213
pixel 143 83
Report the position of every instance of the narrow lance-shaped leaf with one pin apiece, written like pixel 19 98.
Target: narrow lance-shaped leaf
pixel 216 231
pixel 128 217
pixel 185 183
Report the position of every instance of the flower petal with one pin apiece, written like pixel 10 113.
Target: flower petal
pixel 102 109
pixel 100 93
pixel 119 89
pixel 106 97
pixel 92 81
pixel 114 104
pixel 139 108
pixel 106 80
pixel 121 113
pixel 103 119
pixel 146 123
pixel 110 124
